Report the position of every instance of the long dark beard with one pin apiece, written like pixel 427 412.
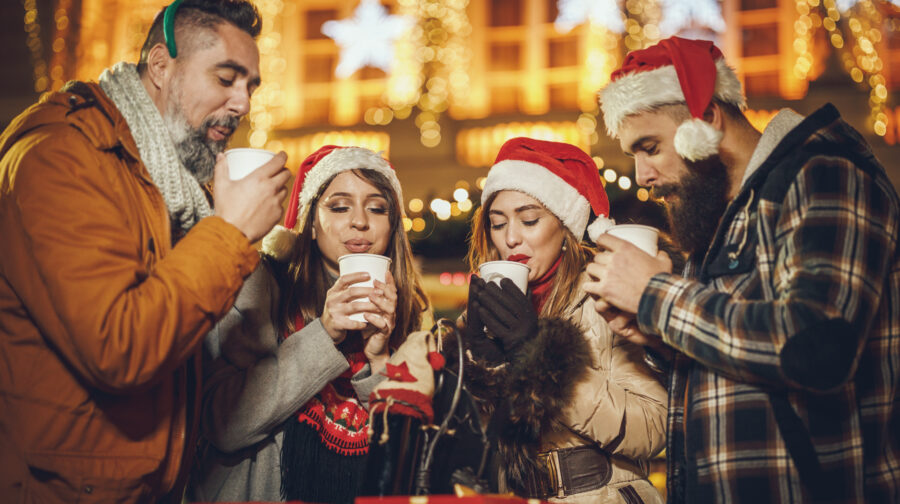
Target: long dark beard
pixel 195 150
pixel 702 196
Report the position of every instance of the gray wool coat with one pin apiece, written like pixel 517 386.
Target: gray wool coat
pixel 253 383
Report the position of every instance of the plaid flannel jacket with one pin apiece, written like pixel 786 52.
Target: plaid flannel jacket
pixel 798 294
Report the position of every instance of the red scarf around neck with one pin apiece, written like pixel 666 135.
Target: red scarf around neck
pixel 335 412
pixel 540 288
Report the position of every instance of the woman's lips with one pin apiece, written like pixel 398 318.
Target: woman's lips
pixel 521 258
pixel 358 246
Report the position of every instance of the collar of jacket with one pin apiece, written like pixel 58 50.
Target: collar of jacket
pixel 85 107
pixel 789 145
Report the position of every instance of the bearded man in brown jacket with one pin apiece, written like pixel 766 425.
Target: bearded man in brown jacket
pixel 114 264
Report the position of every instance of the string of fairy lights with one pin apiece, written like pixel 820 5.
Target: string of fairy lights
pixel 35 46
pixel 266 104
pixel 48 76
pixel 432 65
pixel 430 76
pixel 856 34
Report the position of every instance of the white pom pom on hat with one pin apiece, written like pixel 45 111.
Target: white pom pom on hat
pixel 675 70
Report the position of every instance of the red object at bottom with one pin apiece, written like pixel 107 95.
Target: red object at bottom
pixel 447 499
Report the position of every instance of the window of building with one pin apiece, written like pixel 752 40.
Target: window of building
pixel 762 84
pixel 505 56
pixel 758 4
pixel 564 96
pixel 759 40
pixel 319 68
pixel 314 21
pixel 563 52
pixel 506 12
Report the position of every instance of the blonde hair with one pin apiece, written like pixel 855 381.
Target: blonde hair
pixel 575 257
pixel 304 281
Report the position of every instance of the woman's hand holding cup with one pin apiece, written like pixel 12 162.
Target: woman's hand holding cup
pixel 340 305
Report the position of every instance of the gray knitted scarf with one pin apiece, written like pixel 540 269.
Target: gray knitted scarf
pixel 182 193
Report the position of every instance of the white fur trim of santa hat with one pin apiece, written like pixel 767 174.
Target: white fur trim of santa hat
pixel 344 159
pixel 566 203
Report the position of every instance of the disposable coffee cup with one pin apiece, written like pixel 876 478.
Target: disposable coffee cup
pixel 373 264
pixel 643 237
pixel 494 271
pixel 242 162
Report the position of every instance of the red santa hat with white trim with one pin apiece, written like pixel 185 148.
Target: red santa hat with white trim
pixel 318 168
pixel 559 175
pixel 675 70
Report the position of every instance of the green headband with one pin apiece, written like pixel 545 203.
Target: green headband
pixel 169 27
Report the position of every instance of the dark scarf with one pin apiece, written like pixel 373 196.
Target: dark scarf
pixel 540 288
pixel 323 454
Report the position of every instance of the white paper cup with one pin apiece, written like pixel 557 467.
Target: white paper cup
pixel 644 237
pixel 494 271
pixel 373 264
pixel 242 162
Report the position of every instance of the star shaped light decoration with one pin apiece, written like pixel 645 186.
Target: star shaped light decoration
pixel 678 15
pixel 366 39
pixel 604 13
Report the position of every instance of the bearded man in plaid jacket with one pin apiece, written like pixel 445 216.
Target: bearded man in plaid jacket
pixel 783 335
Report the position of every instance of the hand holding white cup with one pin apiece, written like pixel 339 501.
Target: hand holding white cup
pixel 494 271
pixel 643 237
pixel 242 161
pixel 373 264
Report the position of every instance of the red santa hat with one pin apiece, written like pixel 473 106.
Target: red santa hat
pixel 675 70
pixel 559 175
pixel 316 169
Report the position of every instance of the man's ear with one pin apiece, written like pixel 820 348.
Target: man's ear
pixel 159 65
pixel 715 116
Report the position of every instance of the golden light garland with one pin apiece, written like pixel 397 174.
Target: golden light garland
pixel 641 23
pixel 266 105
pixel 432 65
pixel 61 53
pixel 35 46
pixel 861 59
pixel 804 28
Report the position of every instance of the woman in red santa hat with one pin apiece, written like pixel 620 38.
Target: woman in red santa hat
pixel 577 411
pixel 290 372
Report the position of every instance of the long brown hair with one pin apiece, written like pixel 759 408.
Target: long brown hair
pixel 304 281
pixel 575 256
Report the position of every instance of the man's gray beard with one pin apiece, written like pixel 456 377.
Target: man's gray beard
pixel 196 152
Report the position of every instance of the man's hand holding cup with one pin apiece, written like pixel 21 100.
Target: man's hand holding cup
pixel 619 274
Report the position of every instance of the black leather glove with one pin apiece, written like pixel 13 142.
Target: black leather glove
pixel 482 347
pixel 508 315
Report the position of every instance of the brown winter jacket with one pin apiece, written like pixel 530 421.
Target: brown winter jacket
pixel 100 317
pixel 577 384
